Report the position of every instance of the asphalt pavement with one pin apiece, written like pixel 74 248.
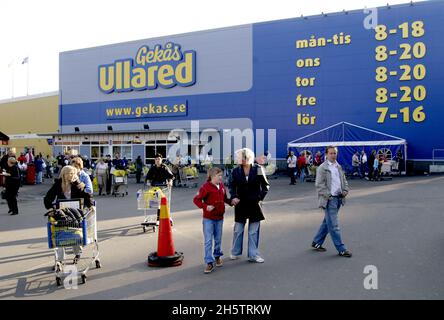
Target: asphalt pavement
pixel 396 226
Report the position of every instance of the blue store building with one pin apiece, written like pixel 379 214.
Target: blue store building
pixel 375 76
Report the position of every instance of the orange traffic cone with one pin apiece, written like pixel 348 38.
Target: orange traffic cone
pixel 166 255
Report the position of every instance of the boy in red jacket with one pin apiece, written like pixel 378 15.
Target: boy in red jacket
pixel 211 198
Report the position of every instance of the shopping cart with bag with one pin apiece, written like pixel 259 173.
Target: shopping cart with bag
pixel 120 183
pixel 189 176
pixel 73 232
pixel 148 200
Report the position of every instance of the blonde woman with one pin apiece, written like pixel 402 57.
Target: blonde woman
pixel 248 187
pixel 67 187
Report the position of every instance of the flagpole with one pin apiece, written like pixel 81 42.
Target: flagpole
pixel 27 77
pixel 12 91
pixel 11 66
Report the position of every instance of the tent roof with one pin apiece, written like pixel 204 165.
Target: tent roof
pixel 346 134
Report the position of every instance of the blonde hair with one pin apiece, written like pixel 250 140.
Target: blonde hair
pixel 77 162
pixel 12 160
pixel 213 171
pixel 66 185
pixel 246 154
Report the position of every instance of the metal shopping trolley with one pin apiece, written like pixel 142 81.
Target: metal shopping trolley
pixel 188 176
pixel 120 184
pixel 74 237
pixel 387 170
pixel 148 200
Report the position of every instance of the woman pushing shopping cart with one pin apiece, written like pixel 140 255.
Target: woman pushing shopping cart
pixel 72 224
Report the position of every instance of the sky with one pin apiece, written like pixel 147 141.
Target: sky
pixel 41 29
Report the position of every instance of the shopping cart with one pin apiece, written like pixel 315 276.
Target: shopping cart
pixel 387 170
pixel 188 176
pixel 311 177
pixel 65 236
pixel 148 200
pixel 120 183
pixel 271 171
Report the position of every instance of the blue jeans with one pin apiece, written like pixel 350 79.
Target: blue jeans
pixel 302 175
pixel 212 229
pixel 253 239
pixel 39 177
pixel 331 225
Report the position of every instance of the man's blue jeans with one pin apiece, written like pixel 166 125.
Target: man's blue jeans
pixel 331 225
pixel 253 239
pixel 212 229
pixel 39 177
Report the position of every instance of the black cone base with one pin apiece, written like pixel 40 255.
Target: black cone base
pixel 168 261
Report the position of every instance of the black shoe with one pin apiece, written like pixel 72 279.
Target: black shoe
pixel 345 253
pixel 14 213
pixel 9 211
pixel 318 247
pixel 76 259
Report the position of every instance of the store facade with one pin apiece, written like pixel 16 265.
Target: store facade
pixel 282 80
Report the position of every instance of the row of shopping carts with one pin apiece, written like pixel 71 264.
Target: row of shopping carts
pixel 185 176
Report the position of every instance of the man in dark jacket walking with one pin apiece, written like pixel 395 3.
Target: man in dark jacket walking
pixel 371 160
pixel 159 175
pixel 139 169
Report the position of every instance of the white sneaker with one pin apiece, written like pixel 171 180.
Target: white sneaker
pixel 233 257
pixel 257 259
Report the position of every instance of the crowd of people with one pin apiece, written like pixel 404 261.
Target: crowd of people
pixel 302 166
pixel 370 167
pixel 363 166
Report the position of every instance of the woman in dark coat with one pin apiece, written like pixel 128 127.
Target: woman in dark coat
pixel 12 185
pixel 248 187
